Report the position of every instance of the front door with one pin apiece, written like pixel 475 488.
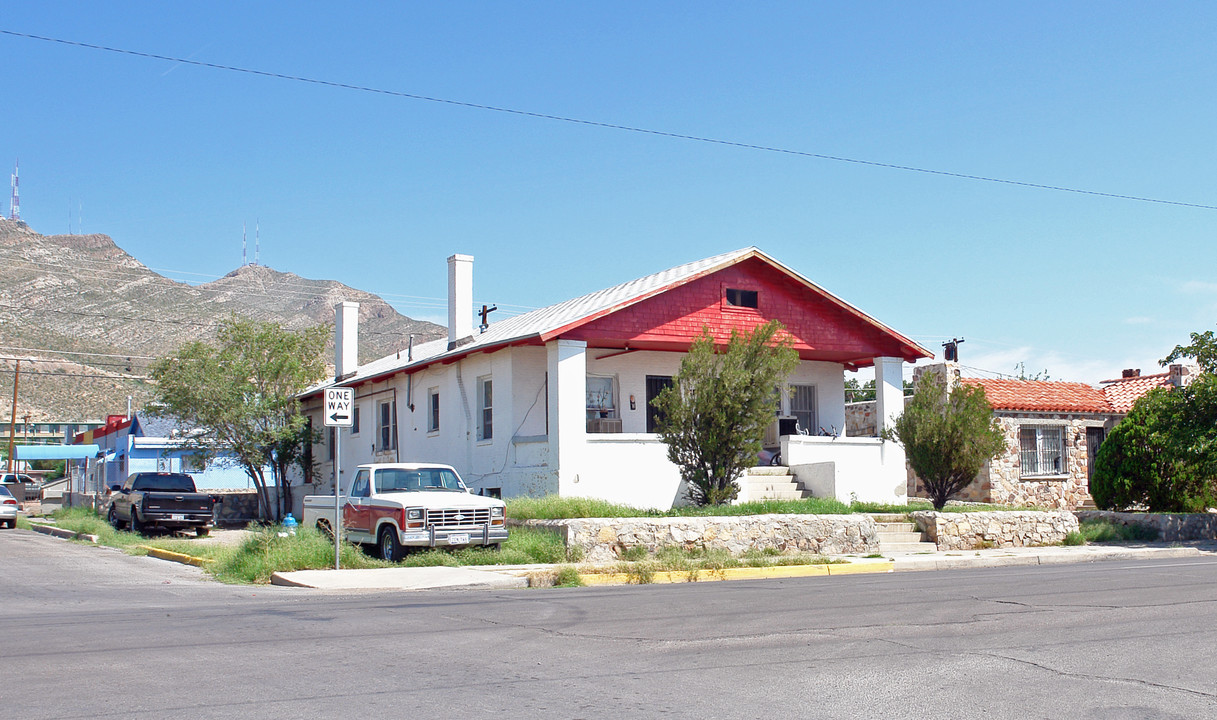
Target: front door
pixel 655 385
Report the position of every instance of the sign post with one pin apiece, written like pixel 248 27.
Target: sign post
pixel 338 414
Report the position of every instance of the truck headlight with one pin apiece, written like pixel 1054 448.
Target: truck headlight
pixel 414 513
pixel 496 512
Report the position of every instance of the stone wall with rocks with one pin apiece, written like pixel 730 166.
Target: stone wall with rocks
pixel 1170 527
pixel 604 539
pixel 860 419
pixel 1001 529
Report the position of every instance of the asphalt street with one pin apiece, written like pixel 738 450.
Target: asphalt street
pixel 90 633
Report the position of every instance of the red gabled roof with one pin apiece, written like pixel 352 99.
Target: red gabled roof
pixel 569 318
pixel 1122 393
pixel 1042 395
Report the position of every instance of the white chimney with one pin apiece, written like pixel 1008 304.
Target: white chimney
pixel 346 338
pixel 460 299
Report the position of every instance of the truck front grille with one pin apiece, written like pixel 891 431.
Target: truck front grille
pixel 445 519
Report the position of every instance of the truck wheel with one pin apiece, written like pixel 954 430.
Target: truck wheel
pixel 137 527
pixel 324 527
pixel 112 518
pixel 390 548
pixel 201 531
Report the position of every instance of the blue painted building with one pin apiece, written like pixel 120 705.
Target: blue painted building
pixel 145 443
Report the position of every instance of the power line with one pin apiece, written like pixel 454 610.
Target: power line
pixel 605 125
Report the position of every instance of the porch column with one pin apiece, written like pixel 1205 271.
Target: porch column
pixel 889 405
pixel 889 391
pixel 567 368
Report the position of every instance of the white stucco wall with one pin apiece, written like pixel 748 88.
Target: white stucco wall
pixel 864 469
pixel 628 468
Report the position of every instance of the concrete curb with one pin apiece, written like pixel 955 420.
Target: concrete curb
pixel 745 573
pixel 175 557
pixel 1072 556
pixel 61 533
pixel 401 578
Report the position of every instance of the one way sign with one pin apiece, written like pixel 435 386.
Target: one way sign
pixel 338 407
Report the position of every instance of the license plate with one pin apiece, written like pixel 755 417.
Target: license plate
pixel 177 516
pixel 458 539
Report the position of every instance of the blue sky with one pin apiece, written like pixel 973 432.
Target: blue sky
pixel 376 190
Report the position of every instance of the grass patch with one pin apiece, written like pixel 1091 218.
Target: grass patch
pixel 264 553
pixel 568 576
pixel 1099 531
pixel 640 567
pixel 552 507
pixel 1074 538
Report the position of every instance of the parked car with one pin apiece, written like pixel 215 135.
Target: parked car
pixel 8 508
pixel 161 500
pixel 30 488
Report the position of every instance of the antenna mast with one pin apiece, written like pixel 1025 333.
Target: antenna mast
pixel 257 242
pixel 15 203
pixel 244 252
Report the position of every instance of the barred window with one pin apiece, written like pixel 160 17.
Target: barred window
pixel 1041 450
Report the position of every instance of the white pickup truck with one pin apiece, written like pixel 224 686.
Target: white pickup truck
pixel 402 505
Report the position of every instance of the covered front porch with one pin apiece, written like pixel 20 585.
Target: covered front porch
pixel 602 429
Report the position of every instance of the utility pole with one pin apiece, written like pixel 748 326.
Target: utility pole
pixel 12 417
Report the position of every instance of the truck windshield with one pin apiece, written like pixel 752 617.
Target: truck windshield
pixel 398 480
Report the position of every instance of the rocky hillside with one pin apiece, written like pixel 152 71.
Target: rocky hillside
pixel 85 317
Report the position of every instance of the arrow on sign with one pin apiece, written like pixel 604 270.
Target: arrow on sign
pixel 339 418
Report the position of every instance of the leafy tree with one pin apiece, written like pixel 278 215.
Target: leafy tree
pixel 947 437
pixel 240 393
pixel 713 417
pixel 1163 455
pixel 865 392
pixel 1203 350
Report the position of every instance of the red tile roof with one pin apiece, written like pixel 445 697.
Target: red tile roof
pixel 1050 396
pixel 1122 393
pixel 1042 395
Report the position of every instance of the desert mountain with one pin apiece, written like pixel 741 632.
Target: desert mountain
pixel 85 317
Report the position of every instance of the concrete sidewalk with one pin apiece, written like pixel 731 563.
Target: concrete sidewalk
pixel 501 577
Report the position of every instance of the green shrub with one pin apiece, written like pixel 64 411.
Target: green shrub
pixel 568 576
pixel 1163 455
pixel 1074 538
pixel 1097 530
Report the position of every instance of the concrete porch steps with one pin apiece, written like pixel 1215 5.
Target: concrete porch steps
pixel 901 537
pixel 772 482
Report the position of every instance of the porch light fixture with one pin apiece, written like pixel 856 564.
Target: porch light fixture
pixel 633 405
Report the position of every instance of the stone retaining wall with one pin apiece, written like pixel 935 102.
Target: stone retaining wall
pixel 604 539
pixel 972 531
pixel 1171 528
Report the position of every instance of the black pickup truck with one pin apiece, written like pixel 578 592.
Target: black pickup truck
pixel 161 500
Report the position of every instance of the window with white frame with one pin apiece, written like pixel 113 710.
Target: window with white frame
pixel 433 410
pixel 1041 450
pixel 485 399
pixel 388 426
pixel 355 421
pixel 601 397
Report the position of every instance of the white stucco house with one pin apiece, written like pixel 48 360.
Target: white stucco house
pixel 557 400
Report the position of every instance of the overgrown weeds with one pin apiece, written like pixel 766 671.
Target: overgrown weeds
pixel 552 507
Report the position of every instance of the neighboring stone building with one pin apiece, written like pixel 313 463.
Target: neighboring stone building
pixel 1053 431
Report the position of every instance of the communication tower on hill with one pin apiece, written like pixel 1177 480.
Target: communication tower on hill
pixel 15 203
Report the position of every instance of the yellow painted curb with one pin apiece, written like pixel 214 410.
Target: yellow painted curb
pixel 862 568
pixel 175 557
pixel 746 573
